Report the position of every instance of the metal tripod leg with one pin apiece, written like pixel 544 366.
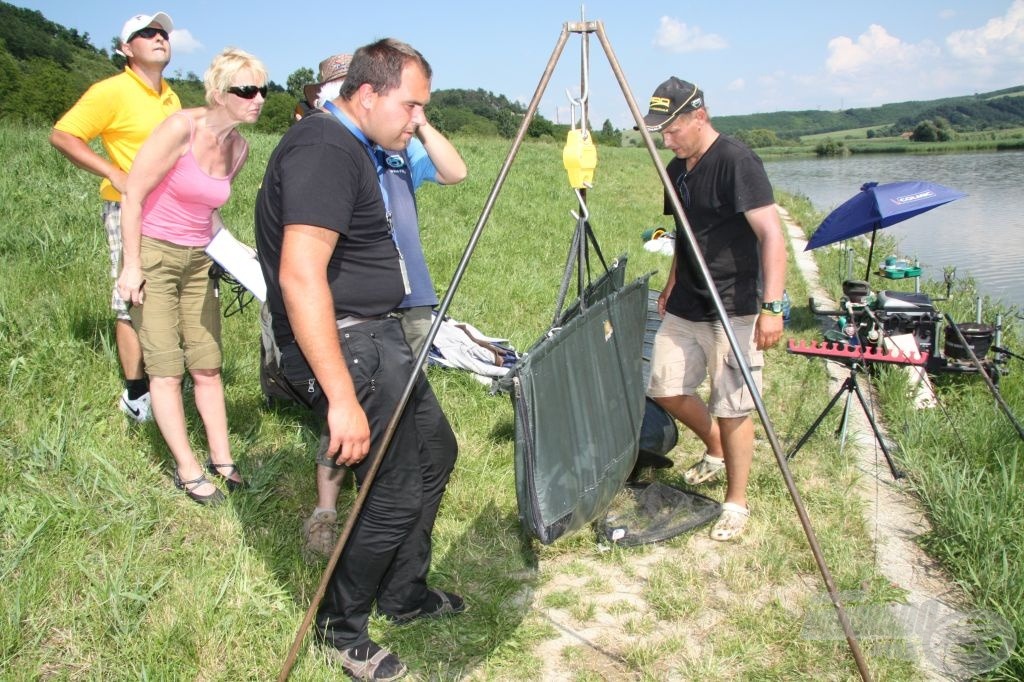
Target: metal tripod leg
pixel 850 387
pixel 821 417
pixel 845 421
pixel 896 473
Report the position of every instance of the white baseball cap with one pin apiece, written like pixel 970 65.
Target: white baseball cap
pixel 140 21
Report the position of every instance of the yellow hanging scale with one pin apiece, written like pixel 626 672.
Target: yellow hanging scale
pixel 580 157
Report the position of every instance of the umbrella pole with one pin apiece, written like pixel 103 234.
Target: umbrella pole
pixel 871 253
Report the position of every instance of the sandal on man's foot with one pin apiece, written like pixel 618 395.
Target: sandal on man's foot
pixel 368 662
pixel 319 535
pixel 216 497
pixel 731 522
pixel 231 469
pixel 705 470
pixel 438 603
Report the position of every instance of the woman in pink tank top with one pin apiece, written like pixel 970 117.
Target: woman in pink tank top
pixel 180 178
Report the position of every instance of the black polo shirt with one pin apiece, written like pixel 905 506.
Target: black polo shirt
pixel 321 175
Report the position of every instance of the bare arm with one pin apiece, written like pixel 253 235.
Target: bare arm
pixel 154 160
pixel 451 169
pixel 82 155
pixel 766 225
pixel 305 253
pixel 218 221
pixel 667 291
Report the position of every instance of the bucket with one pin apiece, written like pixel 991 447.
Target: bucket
pixel 977 336
pixel 856 290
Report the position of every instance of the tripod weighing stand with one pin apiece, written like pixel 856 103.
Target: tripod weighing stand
pixel 856 357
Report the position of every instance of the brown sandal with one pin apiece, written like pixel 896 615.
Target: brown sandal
pixel 369 662
pixel 438 603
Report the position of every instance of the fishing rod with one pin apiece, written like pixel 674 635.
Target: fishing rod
pixel 984 375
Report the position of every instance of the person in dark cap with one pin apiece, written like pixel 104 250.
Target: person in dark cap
pixel 122 111
pixel 729 204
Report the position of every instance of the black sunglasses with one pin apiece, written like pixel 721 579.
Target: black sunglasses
pixel 148 33
pixel 248 91
pixel 684 191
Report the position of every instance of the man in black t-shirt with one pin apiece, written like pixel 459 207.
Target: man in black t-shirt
pixel 334 275
pixel 730 207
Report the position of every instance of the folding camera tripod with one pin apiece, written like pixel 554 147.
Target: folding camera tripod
pixel 850 387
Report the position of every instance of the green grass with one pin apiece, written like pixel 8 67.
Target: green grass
pixel 849 134
pixel 108 572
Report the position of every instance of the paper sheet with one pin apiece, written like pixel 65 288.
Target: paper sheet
pixel 917 377
pixel 239 259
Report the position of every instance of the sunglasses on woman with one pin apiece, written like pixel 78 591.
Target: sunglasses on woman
pixel 248 91
pixel 148 33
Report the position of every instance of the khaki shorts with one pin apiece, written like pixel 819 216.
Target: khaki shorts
pixel 686 353
pixel 179 319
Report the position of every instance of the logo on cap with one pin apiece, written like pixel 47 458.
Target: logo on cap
pixel 660 104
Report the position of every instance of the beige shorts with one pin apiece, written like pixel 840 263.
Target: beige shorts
pixel 179 320
pixel 686 353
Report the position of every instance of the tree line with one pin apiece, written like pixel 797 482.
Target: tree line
pixel 45 68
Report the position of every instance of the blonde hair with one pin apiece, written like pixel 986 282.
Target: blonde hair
pixel 223 68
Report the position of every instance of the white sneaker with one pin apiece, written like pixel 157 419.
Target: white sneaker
pixel 137 409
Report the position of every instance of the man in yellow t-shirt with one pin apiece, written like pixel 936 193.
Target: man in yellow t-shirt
pixel 122 111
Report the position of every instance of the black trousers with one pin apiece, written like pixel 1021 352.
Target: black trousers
pixel 387 556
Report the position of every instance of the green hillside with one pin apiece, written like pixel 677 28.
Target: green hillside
pixel 983 111
pixel 45 68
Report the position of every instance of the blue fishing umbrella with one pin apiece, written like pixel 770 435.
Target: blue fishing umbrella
pixel 877 206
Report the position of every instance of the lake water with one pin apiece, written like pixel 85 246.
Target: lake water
pixel 981 235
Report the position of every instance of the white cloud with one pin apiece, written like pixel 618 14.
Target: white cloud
pixel 676 36
pixel 876 51
pixel 877 67
pixel 183 41
pixel 947 14
pixel 999 39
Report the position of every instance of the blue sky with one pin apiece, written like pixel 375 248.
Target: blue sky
pixel 748 57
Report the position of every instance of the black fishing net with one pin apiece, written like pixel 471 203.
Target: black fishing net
pixel 646 512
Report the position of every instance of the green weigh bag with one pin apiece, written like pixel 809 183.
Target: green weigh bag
pixel 578 397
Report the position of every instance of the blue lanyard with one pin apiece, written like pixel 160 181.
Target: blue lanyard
pixel 375 152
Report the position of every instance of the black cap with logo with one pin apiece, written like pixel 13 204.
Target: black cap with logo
pixel 671 98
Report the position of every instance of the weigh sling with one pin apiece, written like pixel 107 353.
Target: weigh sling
pixel 579 402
